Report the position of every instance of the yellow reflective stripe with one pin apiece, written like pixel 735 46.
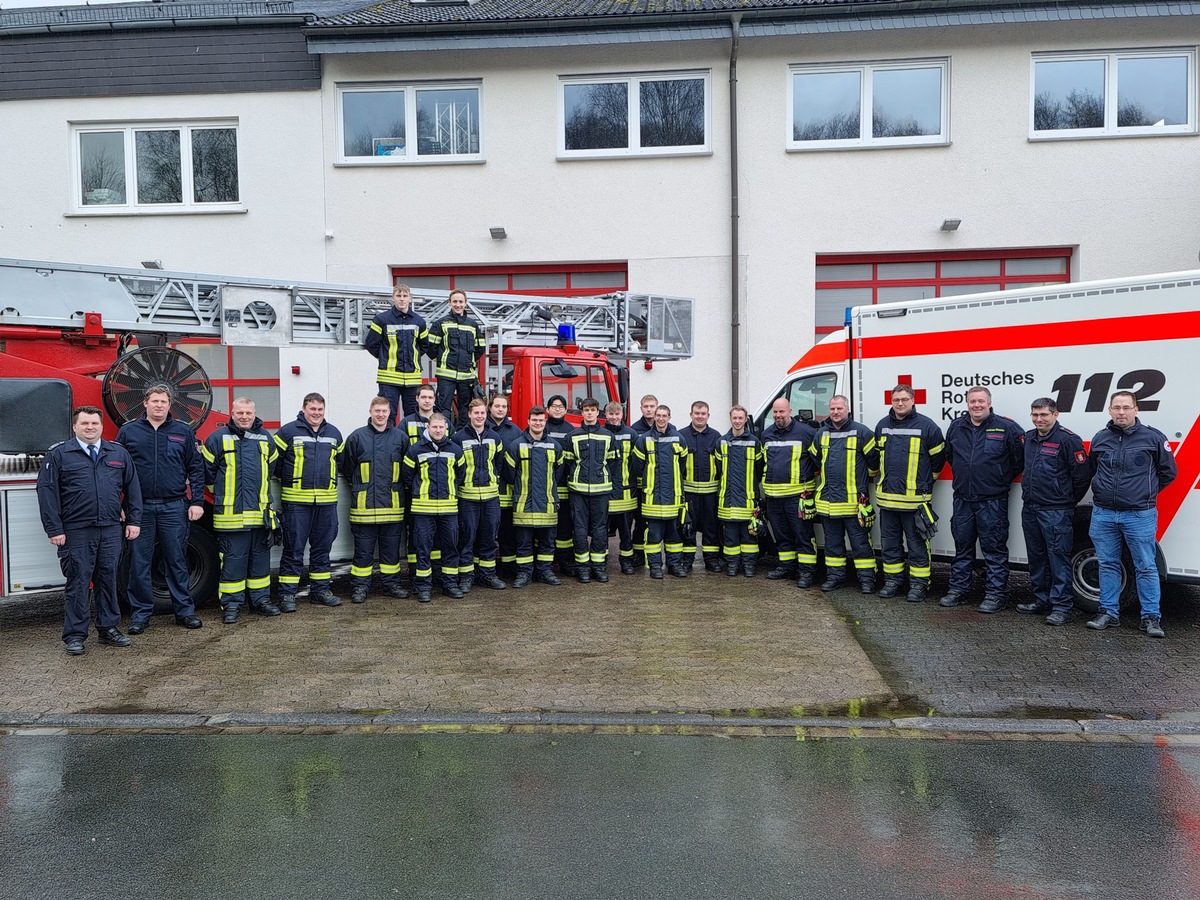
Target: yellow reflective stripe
pixel 254 583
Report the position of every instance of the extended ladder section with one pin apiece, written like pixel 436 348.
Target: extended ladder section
pixel 268 313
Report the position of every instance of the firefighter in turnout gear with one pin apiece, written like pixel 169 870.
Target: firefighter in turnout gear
pixel 307 468
pixel 847 462
pixel 238 460
pixel 559 429
pixel 649 403
pixel 590 449
pixel 911 454
pixel 372 462
pixel 431 468
pixel 789 478
pixel 740 463
pixel 396 339
pixel 534 460
pixel 506 538
pixel 479 500
pixel 455 343
pixel 413 426
pixel 621 500
pixel 700 486
pixel 658 462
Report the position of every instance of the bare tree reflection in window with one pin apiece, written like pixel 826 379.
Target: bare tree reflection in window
pixel 836 127
pixel 102 169
pixel 672 113
pixel 214 165
pixel 1079 109
pixel 159 173
pixel 598 116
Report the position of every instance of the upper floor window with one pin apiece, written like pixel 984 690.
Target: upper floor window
pixel 886 104
pixel 156 167
pixel 410 123
pixel 656 114
pixel 1101 94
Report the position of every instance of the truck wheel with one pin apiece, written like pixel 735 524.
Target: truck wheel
pixel 203 573
pixel 1085 577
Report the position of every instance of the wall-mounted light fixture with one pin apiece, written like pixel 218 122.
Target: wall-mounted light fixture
pixel 498 233
pixel 951 224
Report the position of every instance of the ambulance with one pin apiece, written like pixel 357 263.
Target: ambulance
pixel 1075 343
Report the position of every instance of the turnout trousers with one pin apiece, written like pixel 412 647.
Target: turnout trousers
pixel 440 531
pixel 369 538
pixel 589 515
pixel 314 525
pixel 898 528
pixel 245 567
pixel 478 529
pixel 793 535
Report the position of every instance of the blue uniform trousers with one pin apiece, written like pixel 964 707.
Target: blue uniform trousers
pixel 529 536
pixel 622 523
pixel 658 533
pixel 793 535
pixel 401 398
pixel 448 391
pixel 897 528
pixel 589 515
pixel 740 545
pixel 90 556
pixel 440 531
pixel 506 538
pixel 703 508
pixel 985 521
pixel 314 525
pixel 837 529
pixel 478 527
pixel 245 567
pixel 165 526
pixel 384 536
pixel 1048 540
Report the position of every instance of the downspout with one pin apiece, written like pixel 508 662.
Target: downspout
pixel 735 323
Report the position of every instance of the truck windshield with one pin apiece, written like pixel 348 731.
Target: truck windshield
pixel 809 398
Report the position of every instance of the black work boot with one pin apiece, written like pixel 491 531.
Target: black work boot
pixel 866 585
pixel 804 579
pixel 891 588
pixel 917 591
pixel 832 583
pixel 782 572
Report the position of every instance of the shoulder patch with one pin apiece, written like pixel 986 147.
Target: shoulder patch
pixel 1080 457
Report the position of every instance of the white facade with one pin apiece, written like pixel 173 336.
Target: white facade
pixel 1124 204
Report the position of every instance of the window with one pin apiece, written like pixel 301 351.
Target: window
pixel 156 167
pixel 409 123
pixel 1104 94
pixel 908 103
pixel 861 280
pixel 251 372
pixel 808 397
pixel 576 382
pixel 634 115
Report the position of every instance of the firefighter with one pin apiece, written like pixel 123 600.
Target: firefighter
pixel 89 497
pixel 534 459
pixel 455 343
pixel 847 461
pixel 413 426
pixel 307 468
pixel 372 461
pixel 789 477
pixel 506 538
pixel 658 461
pixel 647 405
pixel 168 465
pixel 986 453
pixel 479 500
pixel 621 500
pixel 911 454
pixel 590 449
pixel 238 459
pixel 396 339
pixel 559 429
pixel 431 479
pixel 1055 478
pixel 700 485
pixel 740 463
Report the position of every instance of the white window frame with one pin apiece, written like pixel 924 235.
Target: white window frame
pixel 866 70
pixel 130 207
pixel 633 81
pixel 410 156
pixel 1110 59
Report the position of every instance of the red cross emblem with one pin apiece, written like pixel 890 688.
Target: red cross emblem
pixel 918 393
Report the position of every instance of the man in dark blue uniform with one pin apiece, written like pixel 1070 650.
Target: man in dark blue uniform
pixel 986 453
pixel 168 464
pixel 86 488
pixel 397 338
pixel 1055 480
pixel 455 343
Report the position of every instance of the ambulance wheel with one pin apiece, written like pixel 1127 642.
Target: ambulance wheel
pixel 1085 577
pixel 203 573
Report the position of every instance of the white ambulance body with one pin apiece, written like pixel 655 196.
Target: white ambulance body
pixel 1075 343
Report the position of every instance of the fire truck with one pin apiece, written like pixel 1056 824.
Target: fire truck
pixel 1075 343
pixel 74 335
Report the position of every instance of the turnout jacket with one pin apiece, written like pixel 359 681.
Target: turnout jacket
pixel 455 344
pixel 396 340
pixel 658 461
pixel 740 462
pixel 431 475
pixel 166 459
pixel 590 448
pixel 911 453
pixel 372 462
pixel 847 460
pixel 508 433
pixel 789 469
pixel 533 465
pixel 413 426
pixel 560 430
pixel 1057 474
pixel 985 458
pixel 700 474
pixel 621 499
pixel 482 463
pixel 307 467
pixel 237 469
pixel 1130 466
pixel 74 492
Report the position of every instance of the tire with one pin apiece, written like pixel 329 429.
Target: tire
pixel 203 573
pixel 1085 577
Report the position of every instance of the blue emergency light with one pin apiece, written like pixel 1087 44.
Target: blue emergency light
pixel 566 333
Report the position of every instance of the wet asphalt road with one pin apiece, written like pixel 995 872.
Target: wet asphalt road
pixel 584 816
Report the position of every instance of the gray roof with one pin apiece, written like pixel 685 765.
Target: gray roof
pixel 158 14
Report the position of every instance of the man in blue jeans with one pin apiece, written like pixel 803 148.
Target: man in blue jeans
pixel 1130 462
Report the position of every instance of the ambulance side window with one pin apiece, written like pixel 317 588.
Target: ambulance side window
pixel 809 399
